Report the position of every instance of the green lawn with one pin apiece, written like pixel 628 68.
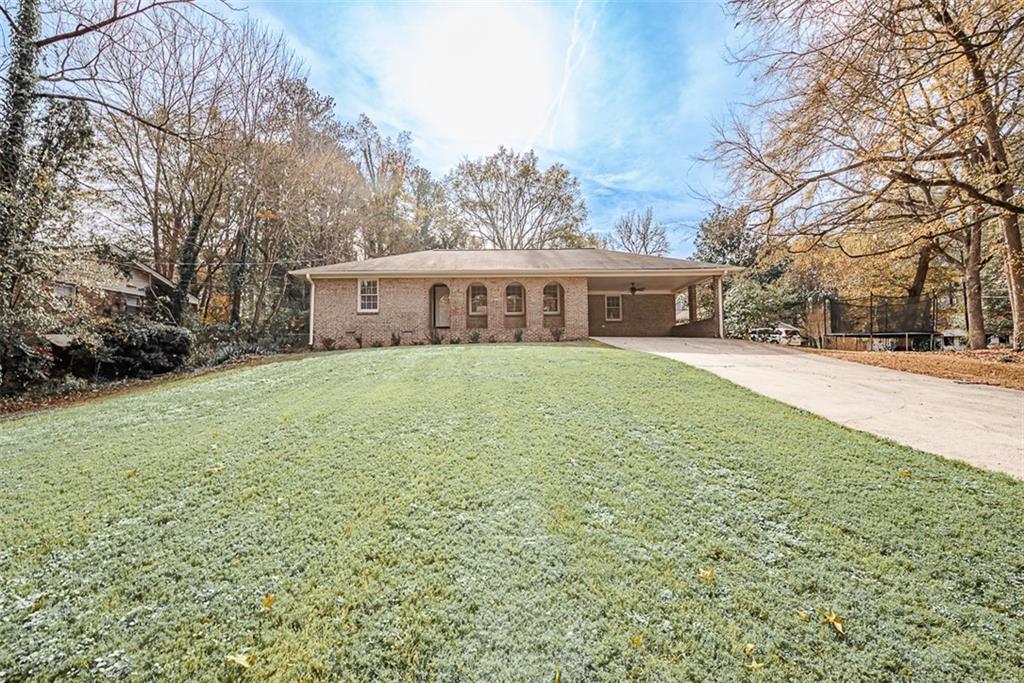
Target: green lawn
pixel 494 513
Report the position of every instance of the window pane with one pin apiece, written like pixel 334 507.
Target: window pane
pixel 514 295
pixel 613 308
pixel 551 298
pixel 368 295
pixel 477 299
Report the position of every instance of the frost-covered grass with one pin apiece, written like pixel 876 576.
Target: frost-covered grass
pixel 494 513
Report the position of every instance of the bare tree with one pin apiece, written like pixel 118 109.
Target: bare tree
pixel 172 180
pixel 385 163
pixel 510 203
pixel 48 66
pixel 884 120
pixel 637 233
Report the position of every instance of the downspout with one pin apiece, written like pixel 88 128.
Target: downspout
pixel 312 306
pixel 721 307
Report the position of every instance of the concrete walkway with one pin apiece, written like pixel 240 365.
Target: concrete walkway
pixel 978 424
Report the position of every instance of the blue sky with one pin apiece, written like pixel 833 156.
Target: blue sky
pixel 624 94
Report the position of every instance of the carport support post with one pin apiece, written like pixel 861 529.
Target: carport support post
pixel 720 302
pixel 691 302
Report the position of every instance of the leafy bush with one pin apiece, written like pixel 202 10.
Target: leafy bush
pixel 377 343
pixel 234 351
pixel 474 337
pixel 133 347
pixel 556 333
pixel 26 362
pixel 435 338
pixel 491 339
pixel 455 340
pixel 517 334
pixel 327 343
pixel 396 339
pixel 359 340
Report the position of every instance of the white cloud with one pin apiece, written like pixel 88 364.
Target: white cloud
pixel 468 77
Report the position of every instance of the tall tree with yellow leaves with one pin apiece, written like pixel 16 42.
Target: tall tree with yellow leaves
pixel 882 122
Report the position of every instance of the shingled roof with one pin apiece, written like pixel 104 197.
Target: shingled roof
pixel 515 261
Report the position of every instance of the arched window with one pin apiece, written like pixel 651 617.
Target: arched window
pixel 552 298
pixel 477 295
pixel 515 300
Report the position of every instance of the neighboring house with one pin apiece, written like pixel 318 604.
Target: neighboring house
pixel 495 292
pixel 91 285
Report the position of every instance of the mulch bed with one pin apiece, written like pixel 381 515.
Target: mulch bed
pixel 997 367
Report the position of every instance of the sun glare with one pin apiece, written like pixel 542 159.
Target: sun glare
pixel 482 74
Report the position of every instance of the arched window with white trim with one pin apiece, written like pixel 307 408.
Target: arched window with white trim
pixel 553 299
pixel 515 299
pixel 476 296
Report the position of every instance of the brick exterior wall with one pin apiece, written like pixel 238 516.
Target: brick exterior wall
pixel 643 315
pixel 404 308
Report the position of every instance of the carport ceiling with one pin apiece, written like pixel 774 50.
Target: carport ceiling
pixel 672 282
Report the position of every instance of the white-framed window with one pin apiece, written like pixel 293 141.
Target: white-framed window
pixel 369 296
pixel 515 300
pixel 477 299
pixel 132 304
pixel 552 299
pixel 65 292
pixel 613 307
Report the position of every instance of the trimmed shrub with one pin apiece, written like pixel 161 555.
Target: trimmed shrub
pixel 396 339
pixel 517 334
pixel 376 343
pixel 327 343
pixel 556 333
pixel 359 340
pixel 435 338
pixel 491 339
pixel 474 337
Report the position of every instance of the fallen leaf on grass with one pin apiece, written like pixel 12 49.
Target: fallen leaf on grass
pixel 244 661
pixel 132 473
pixel 834 620
pixel 268 601
pixel 749 648
pixel 804 615
pixel 216 469
pixel 905 473
pixel 754 666
pixel 636 640
pixel 708 574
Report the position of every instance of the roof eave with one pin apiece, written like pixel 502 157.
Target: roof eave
pixel 329 274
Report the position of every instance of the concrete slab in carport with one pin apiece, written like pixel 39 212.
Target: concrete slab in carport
pixel 978 424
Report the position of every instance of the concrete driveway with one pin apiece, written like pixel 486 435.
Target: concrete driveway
pixel 978 424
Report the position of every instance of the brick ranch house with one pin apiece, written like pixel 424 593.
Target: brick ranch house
pixel 494 292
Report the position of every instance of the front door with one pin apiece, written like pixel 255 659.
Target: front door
pixel 442 308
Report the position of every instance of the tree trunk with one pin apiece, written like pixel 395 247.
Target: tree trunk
pixel 924 260
pixel 972 288
pixel 16 109
pixel 1000 161
pixel 21 84
pixel 187 268
pixel 1014 276
pixel 237 280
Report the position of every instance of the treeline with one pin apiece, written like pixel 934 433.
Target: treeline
pixel 190 136
pixel 888 129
